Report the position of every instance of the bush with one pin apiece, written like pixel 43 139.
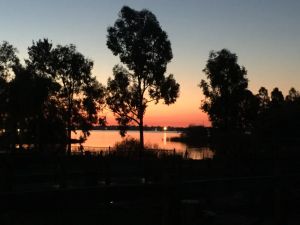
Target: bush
pixel 128 144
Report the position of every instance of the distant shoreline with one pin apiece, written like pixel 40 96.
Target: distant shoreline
pixel 161 131
pixel 134 128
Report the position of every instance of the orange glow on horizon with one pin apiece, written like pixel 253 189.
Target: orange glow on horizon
pixel 183 113
pixel 178 120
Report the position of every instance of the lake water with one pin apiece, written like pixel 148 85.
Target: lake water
pixel 155 139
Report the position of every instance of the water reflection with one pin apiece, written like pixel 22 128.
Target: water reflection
pixel 153 139
pixel 165 139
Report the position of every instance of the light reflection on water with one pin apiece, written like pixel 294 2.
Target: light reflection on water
pixel 153 139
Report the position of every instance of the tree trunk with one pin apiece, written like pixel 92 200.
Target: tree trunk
pixel 69 131
pixel 141 127
pixel 69 140
pixel 141 118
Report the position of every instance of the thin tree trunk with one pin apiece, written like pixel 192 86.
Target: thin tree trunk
pixel 69 140
pixel 69 131
pixel 141 118
pixel 141 127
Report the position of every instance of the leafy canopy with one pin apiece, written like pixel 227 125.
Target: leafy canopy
pixel 144 48
pixel 227 99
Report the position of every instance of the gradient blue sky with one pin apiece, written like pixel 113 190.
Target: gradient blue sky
pixel 265 34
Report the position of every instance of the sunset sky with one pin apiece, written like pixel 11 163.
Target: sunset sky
pixel 265 34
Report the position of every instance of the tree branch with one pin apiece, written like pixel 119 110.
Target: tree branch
pixel 130 117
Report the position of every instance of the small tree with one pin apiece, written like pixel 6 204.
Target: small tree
pixel 144 48
pixel 293 95
pixel 226 91
pixel 277 98
pixel 8 61
pixel 264 100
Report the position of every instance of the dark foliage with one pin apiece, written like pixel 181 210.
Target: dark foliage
pixel 279 117
pixel 48 98
pixel 228 102
pixel 144 48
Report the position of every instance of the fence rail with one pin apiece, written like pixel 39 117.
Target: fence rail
pixel 104 151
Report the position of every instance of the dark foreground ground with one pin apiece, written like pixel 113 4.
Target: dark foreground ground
pixel 79 190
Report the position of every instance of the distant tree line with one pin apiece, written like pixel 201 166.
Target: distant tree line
pixel 136 128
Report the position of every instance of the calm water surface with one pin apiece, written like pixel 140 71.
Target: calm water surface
pixel 155 139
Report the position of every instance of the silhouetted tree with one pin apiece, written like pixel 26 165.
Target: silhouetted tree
pixel 248 113
pixel 263 110
pixel 8 61
pixel 28 101
pixel 278 118
pixel 293 95
pixel 226 94
pixel 40 59
pixel 48 98
pixel 292 112
pixel 276 115
pixel 277 98
pixel 264 99
pixel 25 99
pixel 80 94
pixel 48 124
pixel 144 48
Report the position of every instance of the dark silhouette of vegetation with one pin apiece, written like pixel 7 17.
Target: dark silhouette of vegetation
pixel 48 98
pixel 130 148
pixel 227 99
pixel 194 136
pixel 263 100
pixel 33 117
pixel 144 48
pixel 80 94
pixel 278 117
pixel 240 118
